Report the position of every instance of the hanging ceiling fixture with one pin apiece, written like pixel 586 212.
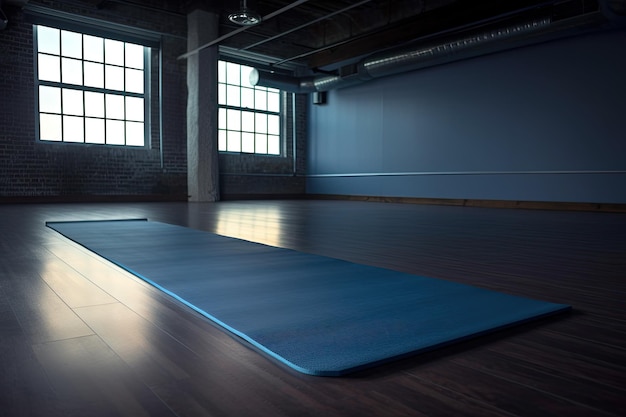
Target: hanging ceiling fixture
pixel 244 16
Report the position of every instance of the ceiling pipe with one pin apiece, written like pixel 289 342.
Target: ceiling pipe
pixel 414 57
pixel 325 17
pixel 241 29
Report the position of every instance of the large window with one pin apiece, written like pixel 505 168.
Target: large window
pixel 249 116
pixel 90 89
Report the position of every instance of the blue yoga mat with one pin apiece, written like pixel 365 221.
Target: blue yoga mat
pixel 319 315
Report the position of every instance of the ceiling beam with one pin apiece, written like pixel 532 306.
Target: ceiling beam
pixel 429 23
pixel 19 3
pixel 328 16
pixel 241 29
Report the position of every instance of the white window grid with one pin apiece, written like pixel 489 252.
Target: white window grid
pixel 90 89
pixel 249 117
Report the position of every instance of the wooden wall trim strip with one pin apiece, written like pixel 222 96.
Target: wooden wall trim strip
pixel 509 204
pixel 534 205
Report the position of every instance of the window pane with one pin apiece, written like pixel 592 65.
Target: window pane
pixel 221 71
pixel 94 75
pixel 221 140
pixel 48 40
pixel 241 127
pixel 72 71
pixel 113 52
pixel 247 98
pixel 232 95
pixel 221 117
pixel 273 145
pixel 73 129
pixel 247 121
pixel 94 48
pixel 50 127
pixel 232 73
pixel 261 122
pixel 273 124
pixel 71 44
pixel 49 68
pixel 273 102
pixel 221 94
pixel 247 142
pixel 88 66
pixel 73 102
pixel 114 77
pixel 260 100
pixel 94 104
pixel 114 132
pixel 114 107
pixel 94 130
pixel 134 109
pixel 134 134
pixel 234 120
pixel 134 56
pixel 234 142
pixel 245 76
pixel 49 99
pixel 134 81
pixel 261 143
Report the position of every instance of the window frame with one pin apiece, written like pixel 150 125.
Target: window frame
pixel 224 106
pixel 146 96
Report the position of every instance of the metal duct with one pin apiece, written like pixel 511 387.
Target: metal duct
pixel 275 80
pixel 415 57
pixel 385 64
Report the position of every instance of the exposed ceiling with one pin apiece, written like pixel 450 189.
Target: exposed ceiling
pixel 323 34
pixel 320 34
pixel 339 34
pixel 19 3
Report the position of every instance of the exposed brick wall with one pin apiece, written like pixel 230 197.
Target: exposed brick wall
pixel 31 168
pixel 259 175
pixel 16 108
pixel 173 177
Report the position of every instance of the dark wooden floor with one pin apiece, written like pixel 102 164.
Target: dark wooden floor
pixel 80 337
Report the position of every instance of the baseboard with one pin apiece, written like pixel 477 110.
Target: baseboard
pixel 530 205
pixel 92 198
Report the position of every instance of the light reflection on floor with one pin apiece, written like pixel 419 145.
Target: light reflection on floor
pixel 98 283
pixel 260 225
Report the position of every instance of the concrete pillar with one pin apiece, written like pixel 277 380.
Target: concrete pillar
pixel 202 153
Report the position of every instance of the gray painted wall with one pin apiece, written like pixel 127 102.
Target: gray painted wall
pixel 540 123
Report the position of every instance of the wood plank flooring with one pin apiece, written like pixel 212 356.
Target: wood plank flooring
pixel 81 337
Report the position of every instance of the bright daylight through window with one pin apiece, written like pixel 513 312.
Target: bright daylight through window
pixel 249 116
pixel 90 89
